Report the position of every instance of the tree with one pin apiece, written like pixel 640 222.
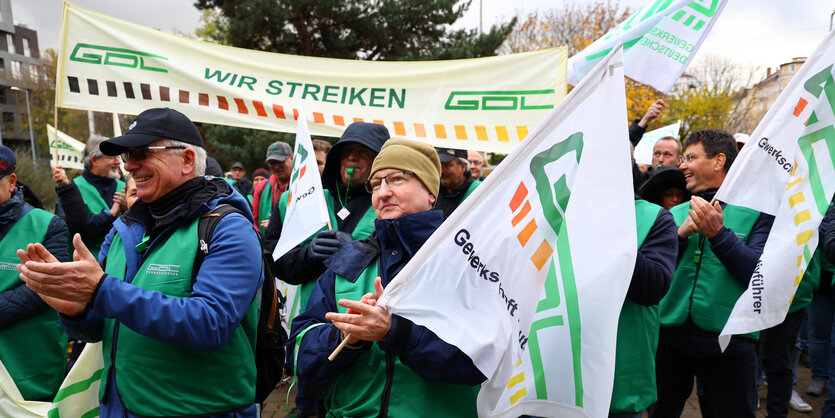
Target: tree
pixel 709 95
pixel 355 29
pixel 575 25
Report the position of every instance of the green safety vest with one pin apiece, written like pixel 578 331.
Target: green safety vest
pixel 155 378
pixel 809 284
pixel 33 350
pixel 363 230
pixel 709 300
pixel 95 204
pixel 635 389
pixel 265 207
pixel 470 189
pixel 359 392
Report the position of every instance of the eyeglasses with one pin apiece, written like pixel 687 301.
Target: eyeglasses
pixel 140 154
pixel 396 179
pixel 689 158
pixel 476 163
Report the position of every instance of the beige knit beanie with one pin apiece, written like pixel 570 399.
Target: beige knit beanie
pixel 418 157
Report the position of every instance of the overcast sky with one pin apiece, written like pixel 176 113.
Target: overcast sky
pixel 758 33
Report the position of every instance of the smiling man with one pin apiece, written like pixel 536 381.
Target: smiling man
pixel 391 366
pixel 719 246
pixel 178 335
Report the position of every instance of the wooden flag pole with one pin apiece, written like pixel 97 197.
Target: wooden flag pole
pixel 342 344
pixel 55 126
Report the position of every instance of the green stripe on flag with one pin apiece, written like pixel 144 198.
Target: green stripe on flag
pixel 77 387
pixel 573 308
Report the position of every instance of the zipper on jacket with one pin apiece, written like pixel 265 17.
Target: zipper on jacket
pixel 384 405
pixel 697 258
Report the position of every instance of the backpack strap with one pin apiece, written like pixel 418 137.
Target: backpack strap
pixel 205 228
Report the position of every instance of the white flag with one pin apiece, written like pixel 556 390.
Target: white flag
pixel 70 151
pixel 786 169
pixel 77 397
pixel 659 40
pixel 540 217
pixel 643 151
pixel 306 211
pixel 79 393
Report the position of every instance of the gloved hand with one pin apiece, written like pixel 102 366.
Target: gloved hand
pixel 326 244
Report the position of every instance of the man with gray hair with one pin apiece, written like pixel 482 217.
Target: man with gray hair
pixel 92 201
pixel 172 301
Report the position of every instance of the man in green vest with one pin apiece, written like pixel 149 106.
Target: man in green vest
pixel 265 196
pixel 33 347
pixel 178 336
pixel 635 388
pixel 456 180
pixel 92 201
pixel 390 365
pixel 719 247
pixel 347 166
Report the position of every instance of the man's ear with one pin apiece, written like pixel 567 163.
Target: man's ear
pixel 720 161
pixel 188 161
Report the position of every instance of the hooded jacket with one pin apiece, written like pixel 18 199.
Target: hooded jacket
pixel 393 244
pixel 207 319
pixel 294 267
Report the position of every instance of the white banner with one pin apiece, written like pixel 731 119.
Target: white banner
pixel 786 169
pixel 485 104
pixel 70 151
pixel 643 151
pixel 306 210
pixel 538 218
pixel 659 41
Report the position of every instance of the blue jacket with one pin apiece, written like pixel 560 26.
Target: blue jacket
pixel 223 289
pixel 395 242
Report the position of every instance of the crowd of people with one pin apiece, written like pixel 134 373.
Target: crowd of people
pixel 124 261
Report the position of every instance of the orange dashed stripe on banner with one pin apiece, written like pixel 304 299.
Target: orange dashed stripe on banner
pixel 241 106
pixel 542 254
pixel 259 108
pixel 420 130
pixel 279 111
pixel 399 129
pixel 518 197
pixel 262 109
pixel 440 132
pixel 526 233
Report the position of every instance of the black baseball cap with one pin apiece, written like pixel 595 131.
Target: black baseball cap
pixel 449 154
pixel 151 126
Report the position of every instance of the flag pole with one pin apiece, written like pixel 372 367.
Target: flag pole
pixel 344 340
pixel 55 126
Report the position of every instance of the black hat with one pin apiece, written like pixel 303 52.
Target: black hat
pixel 662 179
pixel 238 164
pixel 151 126
pixel 449 154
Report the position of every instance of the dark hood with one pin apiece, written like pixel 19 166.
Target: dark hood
pixel 371 135
pixel 662 179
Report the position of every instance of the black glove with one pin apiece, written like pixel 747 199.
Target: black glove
pixel 326 244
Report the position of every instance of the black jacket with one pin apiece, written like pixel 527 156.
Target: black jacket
pixel 827 234
pixel 294 267
pixel 448 201
pixel 71 207
pixel 22 303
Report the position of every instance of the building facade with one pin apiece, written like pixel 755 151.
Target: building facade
pixel 21 67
